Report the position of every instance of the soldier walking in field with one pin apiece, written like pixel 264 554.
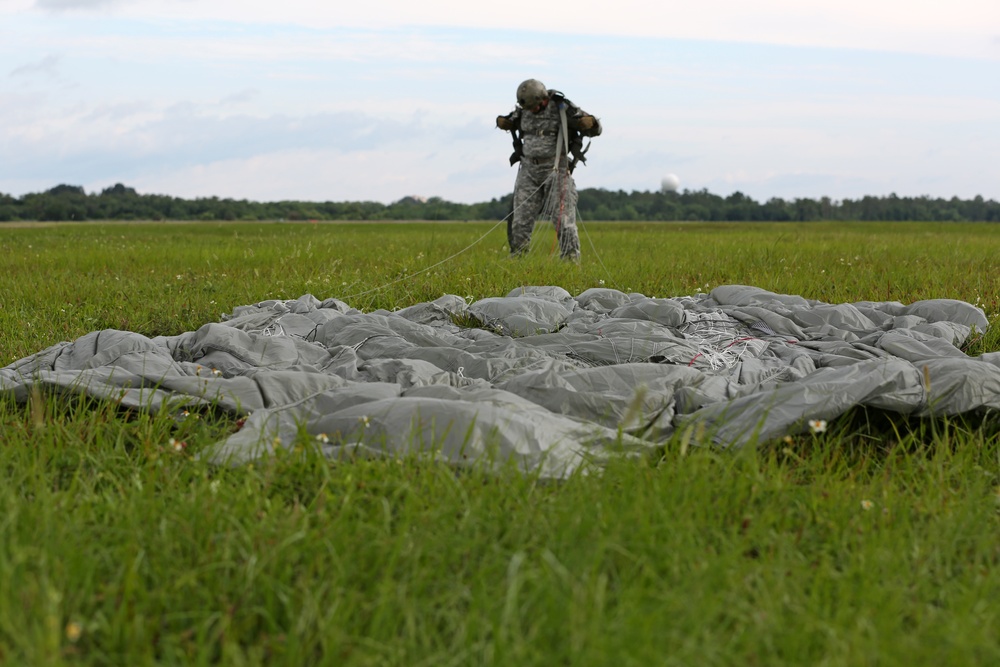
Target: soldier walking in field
pixel 548 133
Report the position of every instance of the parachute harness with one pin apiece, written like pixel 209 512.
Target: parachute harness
pixel 562 149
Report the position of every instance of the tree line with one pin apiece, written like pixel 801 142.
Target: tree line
pixel 118 202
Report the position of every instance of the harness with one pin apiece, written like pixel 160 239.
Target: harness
pixel 572 140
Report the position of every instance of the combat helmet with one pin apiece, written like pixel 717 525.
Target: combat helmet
pixel 531 93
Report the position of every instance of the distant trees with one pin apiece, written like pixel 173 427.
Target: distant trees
pixel 596 204
pixel 119 202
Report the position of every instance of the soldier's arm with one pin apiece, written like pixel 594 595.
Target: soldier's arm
pixel 587 124
pixel 509 122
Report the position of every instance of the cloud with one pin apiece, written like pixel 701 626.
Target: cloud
pixel 964 28
pixel 46 66
pixel 183 136
pixel 290 98
pixel 795 185
pixel 383 175
pixel 241 96
pixel 136 143
pixel 63 5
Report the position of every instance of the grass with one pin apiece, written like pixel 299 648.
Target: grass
pixel 873 543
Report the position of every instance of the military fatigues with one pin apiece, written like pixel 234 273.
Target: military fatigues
pixel 543 187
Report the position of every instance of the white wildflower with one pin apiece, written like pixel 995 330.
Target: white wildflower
pixel 817 425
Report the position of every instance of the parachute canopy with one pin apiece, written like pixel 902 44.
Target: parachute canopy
pixel 545 379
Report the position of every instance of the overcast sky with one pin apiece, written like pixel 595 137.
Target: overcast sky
pixel 376 100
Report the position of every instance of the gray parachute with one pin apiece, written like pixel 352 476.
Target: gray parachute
pixel 548 381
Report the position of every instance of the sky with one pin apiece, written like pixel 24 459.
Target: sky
pixel 377 100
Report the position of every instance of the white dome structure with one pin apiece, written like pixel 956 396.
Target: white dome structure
pixel 670 183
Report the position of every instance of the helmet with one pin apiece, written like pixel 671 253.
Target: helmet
pixel 531 93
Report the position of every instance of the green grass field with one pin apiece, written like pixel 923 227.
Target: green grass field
pixel 875 543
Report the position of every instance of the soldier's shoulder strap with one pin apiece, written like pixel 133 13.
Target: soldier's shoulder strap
pixel 562 101
pixel 573 137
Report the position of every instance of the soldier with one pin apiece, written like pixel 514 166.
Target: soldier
pixel 548 133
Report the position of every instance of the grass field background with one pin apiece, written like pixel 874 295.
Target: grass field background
pixel 877 542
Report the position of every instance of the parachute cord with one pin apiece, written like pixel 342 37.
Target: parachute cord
pixel 579 220
pixel 443 261
pixel 548 211
pixel 425 270
pixel 562 138
pixel 562 208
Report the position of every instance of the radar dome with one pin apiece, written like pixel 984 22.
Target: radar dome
pixel 670 183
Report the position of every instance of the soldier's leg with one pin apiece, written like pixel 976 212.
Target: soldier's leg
pixel 527 204
pixel 569 239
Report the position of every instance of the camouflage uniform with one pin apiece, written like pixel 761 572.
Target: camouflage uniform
pixel 542 186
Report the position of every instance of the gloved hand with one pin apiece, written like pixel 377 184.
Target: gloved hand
pixel 505 123
pixel 584 122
